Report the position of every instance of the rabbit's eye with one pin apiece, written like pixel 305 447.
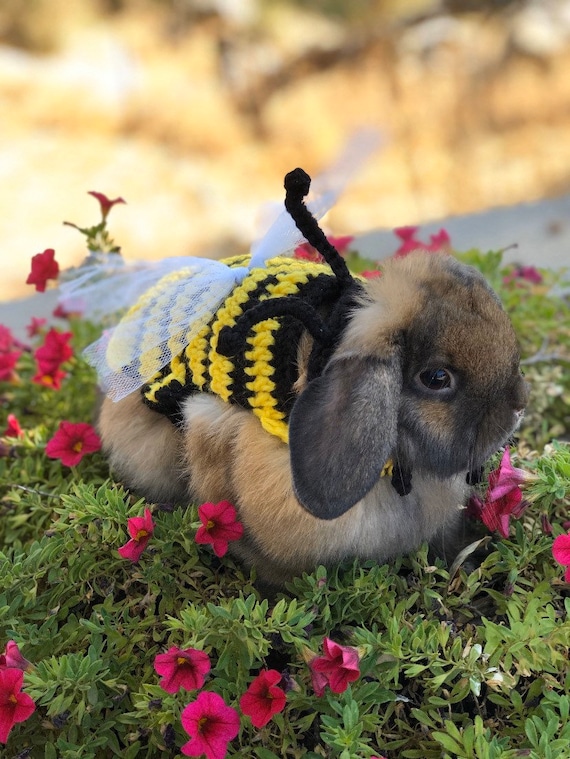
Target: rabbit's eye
pixel 436 379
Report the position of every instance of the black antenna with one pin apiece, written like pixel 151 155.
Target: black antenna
pixel 297 184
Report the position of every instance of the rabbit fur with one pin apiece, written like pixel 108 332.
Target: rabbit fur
pixel 320 499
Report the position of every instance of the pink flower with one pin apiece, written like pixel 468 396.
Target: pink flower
pixel 49 379
pixel 219 526
pixel 9 354
pixel 503 499
pixel 44 267
pixel 371 273
pixel 496 514
pixel 54 352
pixel 527 273
pixel 182 668
pixel 308 253
pixel 72 442
pixel 105 203
pixel 15 706
pixel 438 242
pixel 69 309
pixel 12 658
pixel 337 668
pixel 561 553
pixel 211 725
pixel 140 529
pixel 35 326
pixel 263 698
pixel 505 478
pixel 13 429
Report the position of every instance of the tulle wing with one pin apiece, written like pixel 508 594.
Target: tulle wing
pixel 169 301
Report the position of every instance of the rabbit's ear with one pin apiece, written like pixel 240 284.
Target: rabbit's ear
pixel 342 431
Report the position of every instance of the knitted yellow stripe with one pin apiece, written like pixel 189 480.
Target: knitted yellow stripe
pixel 262 387
pixel 221 366
pixel 196 354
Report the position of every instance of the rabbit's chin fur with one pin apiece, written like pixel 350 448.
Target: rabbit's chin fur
pixel 226 455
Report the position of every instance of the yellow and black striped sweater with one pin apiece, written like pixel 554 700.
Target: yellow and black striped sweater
pixel 261 375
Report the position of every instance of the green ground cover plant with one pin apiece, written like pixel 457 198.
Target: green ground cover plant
pixel 126 653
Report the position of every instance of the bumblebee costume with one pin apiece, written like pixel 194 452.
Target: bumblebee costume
pixel 260 373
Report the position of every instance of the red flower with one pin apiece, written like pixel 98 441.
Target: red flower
pixel 496 514
pixel 44 267
pixel 182 668
pixel 371 273
pixel 15 706
pixel 35 326
pixel 263 698
pixel 503 499
pixel 140 529
pixel 438 242
pixel 13 429
pixel 308 253
pixel 49 379
pixel 219 525
pixel 528 273
pixel 54 352
pixel 337 668
pixel 72 442
pixel 505 478
pixel 211 725
pixel 561 553
pixel 8 354
pixel 12 658
pixel 105 203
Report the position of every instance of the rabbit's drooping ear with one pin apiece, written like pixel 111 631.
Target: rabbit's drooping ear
pixel 342 431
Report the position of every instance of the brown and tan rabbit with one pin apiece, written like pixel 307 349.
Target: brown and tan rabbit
pixel 341 417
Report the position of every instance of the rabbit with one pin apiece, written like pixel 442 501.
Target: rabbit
pixel 420 376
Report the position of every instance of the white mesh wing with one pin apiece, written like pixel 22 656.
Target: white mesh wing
pixel 169 301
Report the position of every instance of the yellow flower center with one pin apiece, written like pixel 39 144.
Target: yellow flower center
pixel 77 447
pixel 47 379
pixel 202 722
pixel 12 699
pixel 181 660
pixel 141 534
pixel 210 524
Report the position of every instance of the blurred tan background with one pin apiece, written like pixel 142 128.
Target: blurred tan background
pixel 193 111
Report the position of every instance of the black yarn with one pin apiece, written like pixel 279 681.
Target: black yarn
pixel 231 339
pixel 297 184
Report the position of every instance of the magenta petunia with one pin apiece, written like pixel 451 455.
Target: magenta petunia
pixel 263 698
pixel 10 352
pixel 211 725
pixel 54 351
pixel 219 526
pixel 337 668
pixel 44 267
pixel 104 202
pixel 182 668
pixel 496 514
pixel 35 326
pixel 13 428
pixel 12 658
pixel 561 553
pixel 439 242
pixel 140 529
pixel 15 706
pixel 505 478
pixel 306 251
pixel 72 442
